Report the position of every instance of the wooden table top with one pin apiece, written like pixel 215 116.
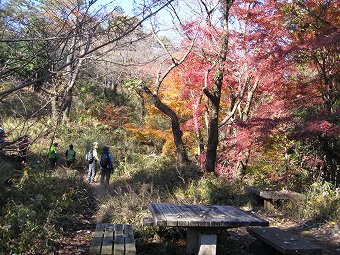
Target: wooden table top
pixel 185 215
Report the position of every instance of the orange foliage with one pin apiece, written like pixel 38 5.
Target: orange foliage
pixel 114 117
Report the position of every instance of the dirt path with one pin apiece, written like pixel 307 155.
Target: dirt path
pixel 78 241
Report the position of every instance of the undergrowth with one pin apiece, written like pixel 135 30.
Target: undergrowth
pixel 322 204
pixel 38 208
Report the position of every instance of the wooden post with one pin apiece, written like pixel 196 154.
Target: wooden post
pixel 192 241
pixel 268 204
pixel 201 243
pixel 207 244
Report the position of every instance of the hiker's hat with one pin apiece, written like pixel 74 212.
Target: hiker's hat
pixel 105 149
pixel 95 145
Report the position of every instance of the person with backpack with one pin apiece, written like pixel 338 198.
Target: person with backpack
pixel 53 155
pixel 70 156
pixel 106 166
pixel 92 158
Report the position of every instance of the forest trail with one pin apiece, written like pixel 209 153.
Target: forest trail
pixel 78 241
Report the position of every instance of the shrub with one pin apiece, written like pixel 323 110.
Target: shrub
pixel 322 203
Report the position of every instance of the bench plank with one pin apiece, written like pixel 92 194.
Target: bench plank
pixel 284 241
pixel 97 239
pixel 274 194
pixel 119 240
pixel 108 239
pixel 130 246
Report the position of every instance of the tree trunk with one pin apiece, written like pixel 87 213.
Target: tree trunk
pixel 215 95
pixel 175 126
pixel 213 122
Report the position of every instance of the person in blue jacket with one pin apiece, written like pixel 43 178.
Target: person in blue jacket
pixel 106 163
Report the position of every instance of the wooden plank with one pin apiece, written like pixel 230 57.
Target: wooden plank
pixel 97 239
pixel 232 218
pixel 157 214
pixel 223 217
pixel 181 218
pixel 108 239
pixel 280 194
pixel 235 217
pixel 118 248
pixel 130 246
pixel 284 241
pixel 193 219
pixel 274 193
pixel 171 220
pixel 204 216
pixel 208 220
pixel 199 216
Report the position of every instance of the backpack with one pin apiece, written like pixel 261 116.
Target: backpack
pixel 90 157
pixel 105 161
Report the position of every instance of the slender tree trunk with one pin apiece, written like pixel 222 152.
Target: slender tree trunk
pixel 213 122
pixel 215 95
pixel 175 126
pixel 68 97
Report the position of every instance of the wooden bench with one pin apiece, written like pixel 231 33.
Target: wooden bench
pixel 284 241
pixel 117 239
pixel 271 195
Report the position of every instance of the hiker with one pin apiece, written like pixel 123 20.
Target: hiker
pixel 92 158
pixel 106 166
pixel 70 156
pixel 53 155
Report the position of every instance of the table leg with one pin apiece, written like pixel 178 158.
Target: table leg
pixel 192 241
pixel 268 204
pixel 201 243
pixel 207 244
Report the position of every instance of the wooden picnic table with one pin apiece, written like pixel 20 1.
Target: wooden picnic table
pixel 202 222
pixel 270 195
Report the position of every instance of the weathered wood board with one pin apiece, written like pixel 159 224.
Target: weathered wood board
pixel 284 241
pixel 117 239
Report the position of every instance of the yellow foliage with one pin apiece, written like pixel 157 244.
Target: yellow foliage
pixel 146 133
pixel 172 95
